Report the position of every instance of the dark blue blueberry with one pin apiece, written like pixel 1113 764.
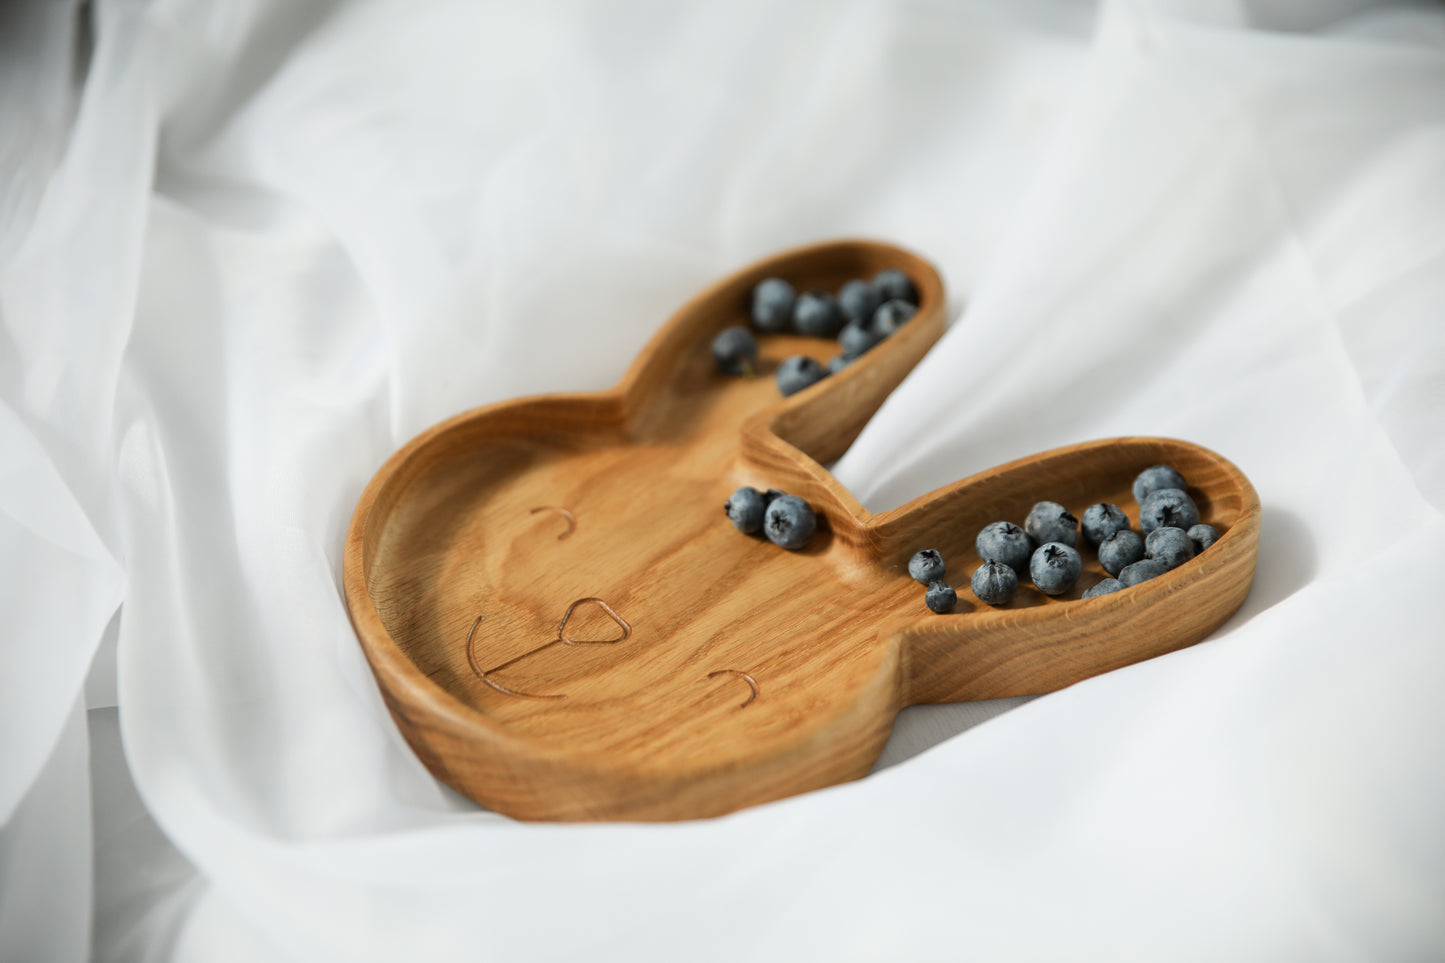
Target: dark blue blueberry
pixel 1121 550
pixel 735 350
pixel 1051 522
pixel 1142 571
pixel 837 363
pixel 1170 546
pixel 927 566
pixel 1007 543
pixel 745 509
pixel 994 583
pixel 1103 588
pixel 789 522
pixel 894 284
pixel 772 305
pixel 816 315
pixel 1055 568
pixel 1202 536
pixel 855 339
pixel 797 373
pixel 1102 520
pixel 1168 508
pixel 890 316
pixel 940 597
pixel 1154 478
pixel 858 300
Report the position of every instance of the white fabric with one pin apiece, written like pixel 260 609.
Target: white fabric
pixel 247 250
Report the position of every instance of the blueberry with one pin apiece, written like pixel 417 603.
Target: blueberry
pixel 940 597
pixel 1005 542
pixel 772 305
pixel 1051 522
pixel 837 363
pixel 735 350
pixel 770 494
pixel 816 314
pixel 1168 508
pixel 1055 568
pixel 1154 478
pixel 1102 520
pixel 745 509
pixel 1170 546
pixel 1142 571
pixel 789 522
pixel 894 284
pixel 995 583
pixel 858 300
pixel 890 316
pixel 797 373
pixel 927 566
pixel 855 339
pixel 1120 550
pixel 1202 536
pixel 1103 588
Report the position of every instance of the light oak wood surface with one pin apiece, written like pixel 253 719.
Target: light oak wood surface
pixel 565 625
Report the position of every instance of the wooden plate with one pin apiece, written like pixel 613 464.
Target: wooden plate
pixel 565 625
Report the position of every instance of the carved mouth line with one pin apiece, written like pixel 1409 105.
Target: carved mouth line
pixel 562 637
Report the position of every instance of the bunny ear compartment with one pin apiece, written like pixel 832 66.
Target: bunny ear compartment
pixel 1038 642
pixel 678 387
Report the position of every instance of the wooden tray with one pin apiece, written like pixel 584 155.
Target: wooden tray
pixel 565 625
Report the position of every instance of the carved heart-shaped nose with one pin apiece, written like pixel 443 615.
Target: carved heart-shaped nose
pixel 587 606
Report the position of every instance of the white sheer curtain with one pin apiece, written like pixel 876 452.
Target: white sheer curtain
pixel 247 250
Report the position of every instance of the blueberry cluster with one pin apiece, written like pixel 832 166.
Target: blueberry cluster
pixel 1045 548
pixel 860 316
pixel 786 520
pixel 928 568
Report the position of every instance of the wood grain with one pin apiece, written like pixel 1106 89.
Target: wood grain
pixel 565 626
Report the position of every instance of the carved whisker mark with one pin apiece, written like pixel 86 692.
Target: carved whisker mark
pixel 611 612
pixel 752 683
pixel 571 519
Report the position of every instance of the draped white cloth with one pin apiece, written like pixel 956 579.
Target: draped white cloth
pixel 249 249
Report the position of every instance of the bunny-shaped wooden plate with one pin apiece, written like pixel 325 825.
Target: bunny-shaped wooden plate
pixel 566 626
